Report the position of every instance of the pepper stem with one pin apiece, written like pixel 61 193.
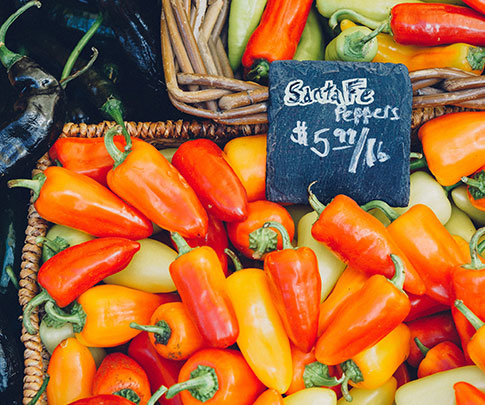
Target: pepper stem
pixel 39 299
pixel 129 394
pixel 481 247
pixel 57 245
pixel 259 70
pixel 35 184
pixel 161 330
pixel 316 374
pixel 317 206
pixel 417 164
pixel 237 263
pixel 11 275
pixel 399 275
pixel 57 317
pixel 117 156
pixel 114 109
pixel 42 389
pixel 262 241
pixel 476 322
pixel 284 233
pixel 351 372
pixel 475 262
pixel 351 15
pixel 79 47
pixel 452 187
pixel 203 384
pixel 476 58
pixel 157 395
pixel 422 348
pixel 180 243
pixel 476 185
pixel 7 57
pixel 64 82
pixel 388 211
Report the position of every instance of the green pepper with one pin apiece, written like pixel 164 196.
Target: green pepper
pixel 437 389
pixel 460 224
pixel 312 42
pixel 355 44
pixel 329 265
pixel 148 270
pixel 244 17
pixel 384 395
pixel 168 153
pixel 60 237
pixel 377 9
pixel 460 198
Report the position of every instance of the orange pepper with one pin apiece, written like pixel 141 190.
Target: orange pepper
pixel 444 356
pixel 453 145
pixel 247 156
pixel 299 360
pixel 269 397
pixel 172 331
pixel 71 371
pixel 468 394
pixel 121 375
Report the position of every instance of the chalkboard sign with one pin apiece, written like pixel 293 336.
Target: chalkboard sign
pixel 346 125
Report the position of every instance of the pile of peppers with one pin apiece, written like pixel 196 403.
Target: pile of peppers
pixel 167 277
pixel 419 34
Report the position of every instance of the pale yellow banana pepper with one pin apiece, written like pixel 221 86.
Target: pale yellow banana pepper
pixel 383 395
pixel 461 200
pixel 460 224
pixel 312 396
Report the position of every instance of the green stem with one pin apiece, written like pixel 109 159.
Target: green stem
pixel 259 70
pixel 316 374
pixel 399 275
pixel 64 82
pixel 475 262
pixel 117 156
pixel 42 389
pixel 203 384
pixel 469 315
pixel 262 241
pixel 284 233
pixel 418 164
pixel 77 317
pixel 11 275
pixel 317 206
pixel 39 299
pixel 373 34
pixel 157 395
pixel 476 58
pixel 79 47
pixel 471 182
pixel 351 372
pixel 129 394
pixel 57 245
pixel 416 155
pixel 348 14
pixel 422 348
pixel 35 184
pixel 161 330
pixel 237 263
pixel 7 57
pixel 114 109
pixel 452 187
pixel 180 243
pixel 481 247
pixel 388 211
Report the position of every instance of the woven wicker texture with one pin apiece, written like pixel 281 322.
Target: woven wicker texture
pixel 161 134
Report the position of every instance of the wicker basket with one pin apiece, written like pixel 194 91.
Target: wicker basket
pixel 200 81
pixel 161 134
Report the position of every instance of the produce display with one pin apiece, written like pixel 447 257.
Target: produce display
pixel 166 276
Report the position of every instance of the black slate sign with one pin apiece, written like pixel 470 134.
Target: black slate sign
pixel 346 125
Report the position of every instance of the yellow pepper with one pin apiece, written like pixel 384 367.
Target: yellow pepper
pixel 460 224
pixel 372 367
pixel 437 389
pixel 312 396
pixel 148 270
pixel 460 198
pixel 329 265
pixel 262 337
pixel 383 395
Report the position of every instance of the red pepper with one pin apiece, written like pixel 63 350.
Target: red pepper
pixel 86 156
pixel 200 281
pixel 468 286
pixel 145 179
pixel 75 200
pixel 160 371
pixel 402 375
pixel 216 238
pixel 277 35
pixel 121 375
pixel 360 240
pixel 431 330
pixel 444 356
pixel 467 394
pixel 422 305
pixel 218 377
pixel 365 318
pixel 295 285
pixel 220 191
pixel 105 399
pixel 478 5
